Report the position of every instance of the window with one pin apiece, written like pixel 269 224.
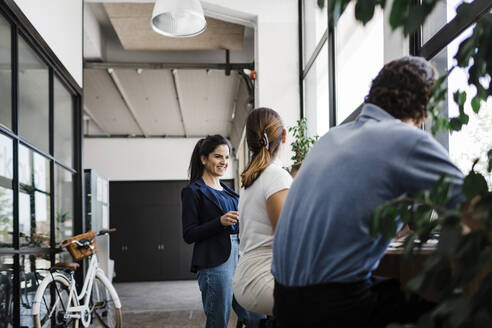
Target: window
pixel 6 193
pixel 5 74
pixel 33 97
pixel 442 14
pixel 34 199
pixel 474 139
pixel 315 24
pixel 63 204
pixel 6 290
pixel 315 83
pixel 316 94
pixel 359 55
pixel 63 124
pixel 42 150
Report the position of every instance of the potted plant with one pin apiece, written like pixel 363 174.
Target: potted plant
pixel 301 145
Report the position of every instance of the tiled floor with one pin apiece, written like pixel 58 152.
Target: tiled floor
pixel 175 304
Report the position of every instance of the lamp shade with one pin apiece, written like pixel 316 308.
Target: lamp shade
pixel 178 18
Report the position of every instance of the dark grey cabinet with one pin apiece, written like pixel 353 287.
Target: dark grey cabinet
pixel 148 245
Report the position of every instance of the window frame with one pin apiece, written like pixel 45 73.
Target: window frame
pixel 429 49
pixel 442 38
pixel 20 26
pixel 329 38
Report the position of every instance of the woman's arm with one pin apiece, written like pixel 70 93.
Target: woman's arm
pixel 274 206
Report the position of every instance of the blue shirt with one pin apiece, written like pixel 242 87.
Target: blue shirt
pixel 228 203
pixel 322 235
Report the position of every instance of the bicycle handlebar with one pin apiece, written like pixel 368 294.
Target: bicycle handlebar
pixel 105 231
pixel 85 242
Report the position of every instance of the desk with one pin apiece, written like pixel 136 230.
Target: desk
pixel 395 265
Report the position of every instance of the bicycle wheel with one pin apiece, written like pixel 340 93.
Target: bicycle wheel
pixel 105 311
pixel 52 297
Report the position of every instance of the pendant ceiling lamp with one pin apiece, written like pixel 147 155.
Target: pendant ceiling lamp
pixel 178 18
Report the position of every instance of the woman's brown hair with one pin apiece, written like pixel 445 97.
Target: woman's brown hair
pixel 264 132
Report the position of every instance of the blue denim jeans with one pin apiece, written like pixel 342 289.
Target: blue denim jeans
pixel 217 296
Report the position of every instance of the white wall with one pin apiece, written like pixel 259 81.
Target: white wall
pixel 59 22
pixel 141 159
pixel 276 51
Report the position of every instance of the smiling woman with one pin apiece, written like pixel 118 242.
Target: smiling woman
pixel 210 221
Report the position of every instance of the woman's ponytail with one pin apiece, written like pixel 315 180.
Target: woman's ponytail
pixel 195 170
pixel 264 132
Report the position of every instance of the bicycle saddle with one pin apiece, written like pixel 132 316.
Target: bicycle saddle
pixel 66 266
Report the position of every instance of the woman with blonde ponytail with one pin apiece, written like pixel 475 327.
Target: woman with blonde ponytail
pixel 265 184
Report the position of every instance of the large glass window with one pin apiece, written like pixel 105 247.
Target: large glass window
pixel 315 24
pixel 33 97
pixel 63 124
pixel 316 95
pixel 474 139
pixel 5 75
pixel 63 204
pixel 359 55
pixel 6 193
pixel 442 14
pixel 34 199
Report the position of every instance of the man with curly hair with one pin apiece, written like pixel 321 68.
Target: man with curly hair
pixel 323 254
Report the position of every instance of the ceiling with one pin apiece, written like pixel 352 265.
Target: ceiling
pixel 138 83
pixel 131 21
pixel 160 102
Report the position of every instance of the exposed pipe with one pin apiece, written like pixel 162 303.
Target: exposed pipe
pixel 236 97
pixel 153 136
pixel 119 87
pixel 105 65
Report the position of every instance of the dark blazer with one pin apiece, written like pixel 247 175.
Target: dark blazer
pixel 201 212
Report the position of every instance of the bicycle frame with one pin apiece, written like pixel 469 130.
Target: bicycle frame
pixel 85 293
pixel 81 309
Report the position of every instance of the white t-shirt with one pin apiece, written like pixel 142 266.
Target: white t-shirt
pixel 255 228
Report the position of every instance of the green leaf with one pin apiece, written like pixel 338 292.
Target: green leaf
pixel 455 124
pixel 475 103
pixel 464 118
pixel 459 97
pixel 489 155
pixel 399 12
pixel 474 184
pixel 364 10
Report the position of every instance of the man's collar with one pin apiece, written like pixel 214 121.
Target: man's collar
pixel 374 112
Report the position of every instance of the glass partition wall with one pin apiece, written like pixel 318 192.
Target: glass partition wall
pixel 40 189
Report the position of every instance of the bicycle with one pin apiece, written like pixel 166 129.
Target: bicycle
pixel 57 303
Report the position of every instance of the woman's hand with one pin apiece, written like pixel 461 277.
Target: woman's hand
pixel 230 218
